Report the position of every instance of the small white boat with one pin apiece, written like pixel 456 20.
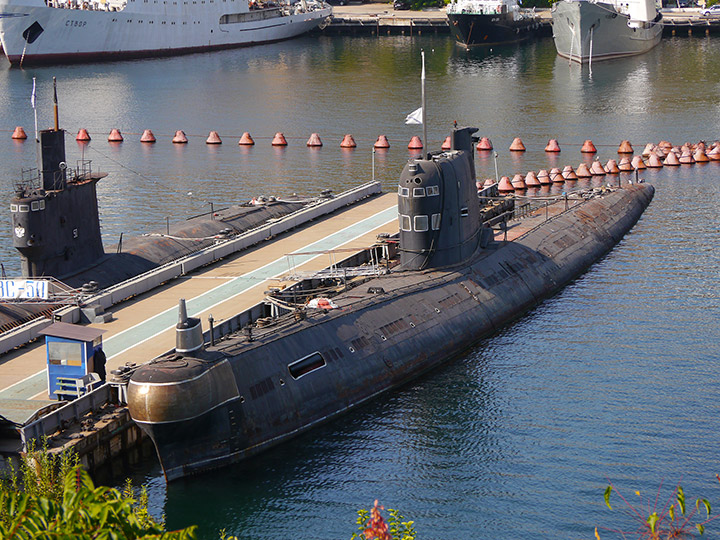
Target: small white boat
pixel 586 31
pixel 59 31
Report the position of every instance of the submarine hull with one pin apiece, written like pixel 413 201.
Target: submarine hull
pixel 203 413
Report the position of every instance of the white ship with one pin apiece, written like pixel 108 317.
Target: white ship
pixel 585 30
pixel 59 31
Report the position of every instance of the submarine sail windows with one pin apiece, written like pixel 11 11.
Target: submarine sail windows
pixel 403 191
pixel 405 223
pixel 432 191
pixel 464 212
pixel 435 222
pixel 421 223
pixel 419 192
pixel 305 365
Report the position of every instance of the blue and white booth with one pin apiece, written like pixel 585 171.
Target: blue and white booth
pixel 71 353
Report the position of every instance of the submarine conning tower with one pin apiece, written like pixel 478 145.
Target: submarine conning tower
pixel 56 226
pixel 438 207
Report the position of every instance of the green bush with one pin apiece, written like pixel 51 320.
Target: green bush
pixel 52 497
pixel 85 512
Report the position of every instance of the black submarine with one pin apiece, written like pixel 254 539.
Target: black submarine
pixel 455 282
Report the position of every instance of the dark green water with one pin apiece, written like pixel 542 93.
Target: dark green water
pixel 614 378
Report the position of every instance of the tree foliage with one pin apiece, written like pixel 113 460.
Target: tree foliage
pixel 85 512
pixel 51 497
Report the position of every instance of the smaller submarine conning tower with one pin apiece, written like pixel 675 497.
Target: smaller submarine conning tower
pixel 56 224
pixel 188 332
pixel 438 207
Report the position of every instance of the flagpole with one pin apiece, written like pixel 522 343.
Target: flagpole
pixel 424 107
pixel 37 140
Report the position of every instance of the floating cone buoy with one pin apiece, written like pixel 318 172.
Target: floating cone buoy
pixel 279 140
pixel 685 148
pixel 625 148
pixel 582 171
pixel 543 177
pixel 659 152
pixel 314 141
pixel 588 147
pixel 625 165
pixel 382 142
pixel 665 145
pixel 517 145
pixel 638 163
pixel 531 180
pixel 569 174
pixel 246 140
pixel 504 186
pixel 180 137
pixel 213 138
pixel 488 182
pixel 556 175
pixel 700 156
pixel 654 161
pixel 714 154
pixel 597 169
pixel 518 183
pixel 612 167
pixel 702 145
pixel 147 137
pixel 115 136
pixel 672 160
pixel 649 149
pixel 415 143
pixel 686 158
pixel 446 144
pixel 83 136
pixel 19 134
pixel 485 144
pixel 552 146
pixel 348 142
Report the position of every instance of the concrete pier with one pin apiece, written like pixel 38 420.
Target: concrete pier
pixel 99 428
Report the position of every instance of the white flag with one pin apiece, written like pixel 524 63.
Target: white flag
pixel 32 98
pixel 414 117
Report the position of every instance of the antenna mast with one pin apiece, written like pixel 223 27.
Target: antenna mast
pixel 55 105
pixel 424 107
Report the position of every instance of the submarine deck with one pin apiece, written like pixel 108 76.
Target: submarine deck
pixel 143 327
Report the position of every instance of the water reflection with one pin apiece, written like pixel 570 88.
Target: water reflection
pixel 612 377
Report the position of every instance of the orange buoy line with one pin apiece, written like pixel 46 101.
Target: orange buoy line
pixel 652 156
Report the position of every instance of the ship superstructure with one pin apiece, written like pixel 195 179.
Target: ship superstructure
pixel 33 31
